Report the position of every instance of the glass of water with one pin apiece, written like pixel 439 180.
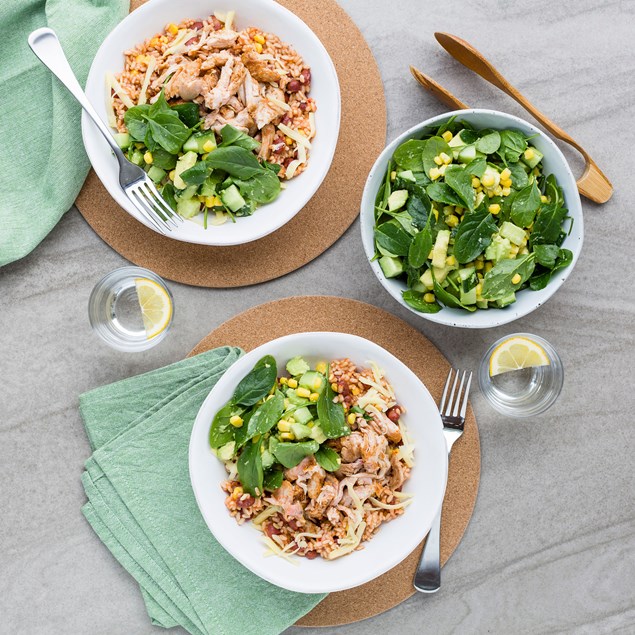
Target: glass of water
pixel 526 391
pixel 131 309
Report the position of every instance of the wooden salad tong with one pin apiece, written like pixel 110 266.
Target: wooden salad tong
pixel 593 184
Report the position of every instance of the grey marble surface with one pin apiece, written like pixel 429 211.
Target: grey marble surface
pixel 551 545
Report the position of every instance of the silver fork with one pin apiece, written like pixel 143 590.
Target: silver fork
pixel 136 184
pixel 452 408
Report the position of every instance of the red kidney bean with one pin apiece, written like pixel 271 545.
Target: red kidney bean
pixel 294 525
pixel 345 390
pixel 311 555
pixel 216 23
pixel 286 119
pixel 191 41
pixel 294 86
pixel 306 75
pixel 303 106
pixel 287 161
pixel 248 501
pixel 270 530
pixel 197 25
pixel 394 413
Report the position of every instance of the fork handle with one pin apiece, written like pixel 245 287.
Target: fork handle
pixel 46 46
pixel 428 575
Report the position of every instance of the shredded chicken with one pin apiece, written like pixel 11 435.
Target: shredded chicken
pixel 324 498
pixel 259 69
pixel 222 39
pixel 215 59
pixel 186 82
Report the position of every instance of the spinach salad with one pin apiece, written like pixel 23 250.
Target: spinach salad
pixel 273 423
pixel 467 218
pixel 198 171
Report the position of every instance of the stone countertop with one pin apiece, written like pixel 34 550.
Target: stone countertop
pixel 551 545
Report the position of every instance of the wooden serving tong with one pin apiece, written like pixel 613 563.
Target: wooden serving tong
pixel 593 184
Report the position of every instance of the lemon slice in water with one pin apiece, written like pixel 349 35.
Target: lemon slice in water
pixel 516 353
pixel 156 306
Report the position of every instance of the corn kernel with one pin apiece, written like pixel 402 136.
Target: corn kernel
pixel 506 182
pixel 317 384
pixel 429 297
pixel 516 279
pixel 355 391
pixel 529 154
pixel 258 47
pixel 442 169
pixel 445 158
pixel 523 250
pixel 514 250
pixel 487 180
pixel 506 191
pixel 172 175
pixel 155 42
pixel 259 38
pixel 489 266
pixel 536 172
pixel 288 141
pixel 210 201
pixel 290 419
pixel 236 421
pixel 438 160
pixel 447 136
pixel 287 436
pixel 452 221
pixel 284 426
pixel 448 209
pixel 351 418
pixel 147 157
pixel 314 396
pixel 303 392
pixel 173 29
pixel 270 395
pixel 334 387
pixel 479 275
pixel 434 173
pixel 544 199
pixel 506 173
pixel 479 289
pixel 292 383
pixel 436 216
pixel 490 193
pixel 450 260
pixel 283 381
pixel 495 208
pixel 459 210
pixel 238 492
pixel 523 242
pixel 208 146
pixel 393 175
pixel 479 189
pixel 321 368
pixel 479 265
pixel 475 182
pixel 498 191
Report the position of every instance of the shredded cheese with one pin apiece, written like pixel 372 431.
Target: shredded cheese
pixel 342 551
pixel 152 64
pixel 110 108
pixel 312 124
pixel 121 93
pixel 229 20
pixel 265 513
pixel 279 103
pixel 295 135
pixel 219 15
pixel 178 44
pixel 292 168
pixel 378 503
pixel 274 549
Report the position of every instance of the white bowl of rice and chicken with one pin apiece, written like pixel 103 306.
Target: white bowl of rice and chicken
pixel 318 461
pixel 233 110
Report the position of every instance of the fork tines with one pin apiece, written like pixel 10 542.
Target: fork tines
pixel 454 405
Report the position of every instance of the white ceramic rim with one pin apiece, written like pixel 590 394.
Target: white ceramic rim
pixel 300 189
pixel 458 317
pixel 418 525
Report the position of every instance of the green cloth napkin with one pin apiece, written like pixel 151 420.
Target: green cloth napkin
pixel 43 163
pixel 141 505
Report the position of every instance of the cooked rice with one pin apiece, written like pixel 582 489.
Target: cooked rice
pixel 266 51
pixel 308 520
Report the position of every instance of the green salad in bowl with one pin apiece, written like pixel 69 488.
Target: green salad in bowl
pixel 469 217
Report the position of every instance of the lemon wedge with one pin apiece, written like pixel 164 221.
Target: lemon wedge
pixel 516 353
pixel 156 306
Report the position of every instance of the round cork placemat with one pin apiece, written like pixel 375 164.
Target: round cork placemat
pixel 326 313
pixel 317 226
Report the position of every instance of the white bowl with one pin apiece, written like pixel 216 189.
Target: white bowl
pixel 268 15
pixel 553 162
pixel 394 540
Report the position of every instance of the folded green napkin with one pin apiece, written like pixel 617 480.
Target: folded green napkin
pixel 43 163
pixel 141 505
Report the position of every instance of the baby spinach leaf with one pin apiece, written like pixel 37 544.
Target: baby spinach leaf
pixel 548 224
pixel 236 161
pixel 448 299
pixel 474 235
pixel 168 131
pixel 489 143
pixel 418 206
pixel 434 146
pixel 264 187
pixel 416 301
pixel 513 144
pixel 519 177
pixel 273 479
pixel 476 167
pixel 546 255
pixel 168 194
pixel 331 415
pixel 249 468
pixel 408 155
pixel 221 431
pixel 328 458
pixel 163 159
pixel 540 279
pixel 442 193
pixel 565 258
pixel 392 237
pixel 420 247
pixel 240 434
pixel 188 113
pixel 525 205
pixel 461 182
pixel 135 119
pixel 266 416
pixel 498 281
pixel 274 167
pixel 233 137
pixel 291 453
pixel 196 175
pixel 257 383
pixel 553 191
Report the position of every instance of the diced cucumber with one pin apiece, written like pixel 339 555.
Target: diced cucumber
pixel 385 252
pixel 508 299
pixel 397 199
pixel 535 160
pixel 498 249
pixel 440 249
pixel 208 188
pixel 512 232
pixel 302 415
pixel 188 207
pixel 469 153
pixel 426 279
pixel 419 287
pixel 187 161
pixel 440 273
pixel 137 157
pixel 318 434
pixel 312 381
pixel 407 175
pixel 466 273
pixel 297 366
pixel 482 304
pixel 201 142
pixel 267 459
pixel 123 140
pixel 392 267
pixel 300 430
pixel 156 174
pixel 457 141
pixel 232 199
pixel 226 452
pixel 293 398
pixel 468 297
